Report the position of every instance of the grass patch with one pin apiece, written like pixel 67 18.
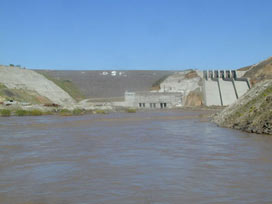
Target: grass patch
pixel 34 112
pixel 5 112
pixel 99 111
pixel 78 111
pixel 65 112
pixel 131 110
pixel 21 112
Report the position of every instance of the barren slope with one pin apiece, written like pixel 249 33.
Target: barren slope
pixel 108 84
pixel 260 71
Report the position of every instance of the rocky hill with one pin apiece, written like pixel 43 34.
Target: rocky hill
pixel 29 86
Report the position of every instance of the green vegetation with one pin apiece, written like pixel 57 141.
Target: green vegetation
pixel 131 110
pixel 99 111
pixel 78 111
pixel 65 112
pixel 2 86
pixel 21 112
pixel 5 112
pixel 254 116
pixel 34 112
pixel 66 85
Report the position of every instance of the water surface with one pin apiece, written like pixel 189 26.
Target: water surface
pixel 147 157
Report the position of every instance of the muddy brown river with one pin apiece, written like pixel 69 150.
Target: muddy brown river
pixel 142 158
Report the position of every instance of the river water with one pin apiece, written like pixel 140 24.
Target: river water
pixel 146 157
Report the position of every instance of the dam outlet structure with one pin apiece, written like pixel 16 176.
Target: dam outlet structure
pixel 223 87
pixel 152 100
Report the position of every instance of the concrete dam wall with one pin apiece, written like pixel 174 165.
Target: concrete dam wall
pixel 223 87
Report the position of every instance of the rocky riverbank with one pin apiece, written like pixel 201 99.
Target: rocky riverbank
pixel 252 112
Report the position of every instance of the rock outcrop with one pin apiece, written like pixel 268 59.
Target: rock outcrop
pixel 194 98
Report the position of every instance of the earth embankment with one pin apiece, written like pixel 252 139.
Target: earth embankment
pixel 33 83
pixel 108 84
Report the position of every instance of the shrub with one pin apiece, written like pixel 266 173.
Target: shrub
pixel 5 112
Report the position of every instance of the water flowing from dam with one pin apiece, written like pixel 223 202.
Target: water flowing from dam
pixel 147 157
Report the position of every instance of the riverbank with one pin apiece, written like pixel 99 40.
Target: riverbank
pixel 204 112
pixel 251 113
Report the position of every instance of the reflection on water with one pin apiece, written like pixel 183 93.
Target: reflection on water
pixel 155 157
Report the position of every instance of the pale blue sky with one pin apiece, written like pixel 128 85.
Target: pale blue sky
pixel 135 34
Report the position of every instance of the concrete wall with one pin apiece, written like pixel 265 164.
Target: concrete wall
pixel 227 92
pixel 241 87
pixel 211 93
pixel 223 87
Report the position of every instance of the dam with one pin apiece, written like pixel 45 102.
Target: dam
pixel 223 87
pixel 216 87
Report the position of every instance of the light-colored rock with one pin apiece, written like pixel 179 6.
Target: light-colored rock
pixel 182 82
pixel 18 78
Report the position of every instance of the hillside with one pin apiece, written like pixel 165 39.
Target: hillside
pixel 252 112
pixel 107 84
pixel 28 86
pixel 259 72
